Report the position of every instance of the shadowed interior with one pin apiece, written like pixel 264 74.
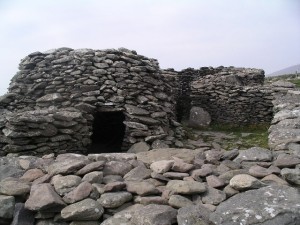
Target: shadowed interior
pixel 108 132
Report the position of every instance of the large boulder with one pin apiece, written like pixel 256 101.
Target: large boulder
pixel 266 206
pixel 199 117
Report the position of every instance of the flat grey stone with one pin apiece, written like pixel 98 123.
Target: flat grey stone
pixel 186 187
pixel 87 209
pixel 266 206
pixel 213 196
pixel 7 206
pixel 245 182
pixel 65 184
pixel 141 188
pixel 67 164
pixel 254 154
pixel 139 173
pixel 155 215
pixel 79 193
pixel 291 175
pixel 93 177
pixel 193 215
pixel 178 201
pixel 44 198
pixel 116 168
pixel 114 199
pixel 14 187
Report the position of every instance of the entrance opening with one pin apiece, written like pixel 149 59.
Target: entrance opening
pixel 108 132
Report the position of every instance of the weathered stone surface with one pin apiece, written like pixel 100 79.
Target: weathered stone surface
pixel 82 191
pixel 291 175
pixel 155 215
pixel 114 186
pixel 93 177
pixel 10 171
pixel 186 187
pixel 161 166
pixel 141 188
pixel 266 206
pixel 193 215
pixel 94 166
pixel 254 154
pixel 258 171
pixel 67 163
pixel 87 209
pixel 14 187
pixel 85 223
pixel 245 182
pixel 139 147
pixel 112 157
pixel 43 197
pixel 167 154
pixel 285 160
pixel 139 173
pixel 22 216
pixel 32 174
pixel 214 181
pixel 115 199
pixel 175 175
pixel 123 217
pixel 151 200
pixel 178 201
pixel 7 206
pixel 199 117
pixel 65 184
pixel 229 191
pixel 180 166
pixel 213 196
pixel 273 179
pixel 116 168
pixel 226 177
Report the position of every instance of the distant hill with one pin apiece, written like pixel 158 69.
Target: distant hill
pixel 288 70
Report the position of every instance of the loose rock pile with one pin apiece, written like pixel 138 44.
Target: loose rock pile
pixel 163 186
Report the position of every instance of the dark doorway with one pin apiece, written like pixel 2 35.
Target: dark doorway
pixel 108 132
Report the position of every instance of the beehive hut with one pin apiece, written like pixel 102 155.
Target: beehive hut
pixel 86 100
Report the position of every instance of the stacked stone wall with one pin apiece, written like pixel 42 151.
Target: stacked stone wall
pixel 230 95
pixel 83 82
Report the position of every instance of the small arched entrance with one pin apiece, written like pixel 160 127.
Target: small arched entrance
pixel 108 132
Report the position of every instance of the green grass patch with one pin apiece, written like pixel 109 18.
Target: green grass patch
pixel 242 137
pixel 296 81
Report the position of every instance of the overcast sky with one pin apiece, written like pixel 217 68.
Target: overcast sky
pixel 179 33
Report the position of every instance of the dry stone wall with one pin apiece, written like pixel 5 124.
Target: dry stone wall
pixel 52 100
pixel 284 132
pixel 234 95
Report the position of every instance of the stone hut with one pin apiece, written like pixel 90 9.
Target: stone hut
pixel 85 100
pixel 229 94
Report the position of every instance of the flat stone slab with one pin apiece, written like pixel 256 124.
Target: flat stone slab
pixel 43 197
pixel 155 215
pixel 186 187
pixel 266 206
pixel 167 154
pixel 87 209
pixel 254 154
